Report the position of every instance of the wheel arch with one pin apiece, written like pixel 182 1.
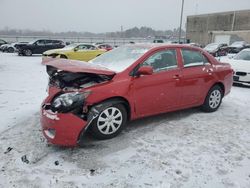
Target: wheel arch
pixel 113 100
pixel 118 99
pixel 63 56
pixel 221 85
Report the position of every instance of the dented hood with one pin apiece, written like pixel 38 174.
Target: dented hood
pixel 79 66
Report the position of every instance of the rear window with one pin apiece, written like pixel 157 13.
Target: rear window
pixel 193 58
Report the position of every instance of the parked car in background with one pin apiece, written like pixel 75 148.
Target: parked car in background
pixel 39 46
pixel 241 66
pixel 217 49
pixel 106 47
pixel 194 44
pixel 237 46
pixel 78 51
pixel 19 46
pixel 3 47
pixel 10 48
pixel 2 42
pixel 126 83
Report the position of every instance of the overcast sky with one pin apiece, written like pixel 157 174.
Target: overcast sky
pixel 105 15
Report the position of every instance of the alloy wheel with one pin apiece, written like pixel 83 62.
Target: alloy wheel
pixel 109 121
pixel 214 99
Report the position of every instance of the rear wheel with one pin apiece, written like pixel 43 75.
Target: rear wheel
pixel 213 99
pixel 28 52
pixel 109 122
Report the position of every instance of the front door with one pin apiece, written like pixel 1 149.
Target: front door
pixel 160 91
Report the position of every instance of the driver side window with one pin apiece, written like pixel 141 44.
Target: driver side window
pixel 162 61
pixel 40 42
pixel 82 47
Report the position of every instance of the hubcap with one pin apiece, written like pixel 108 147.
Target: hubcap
pixel 109 121
pixel 28 52
pixel 214 99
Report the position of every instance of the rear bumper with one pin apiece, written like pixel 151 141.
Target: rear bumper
pixel 61 129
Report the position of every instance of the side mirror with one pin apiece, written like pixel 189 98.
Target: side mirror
pixel 145 70
pixel 76 49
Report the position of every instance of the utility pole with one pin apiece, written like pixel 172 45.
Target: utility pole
pixel 181 21
pixel 121 31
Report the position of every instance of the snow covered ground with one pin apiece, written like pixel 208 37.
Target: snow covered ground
pixel 181 149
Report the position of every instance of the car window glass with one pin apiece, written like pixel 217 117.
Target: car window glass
pixel 40 42
pixel 161 61
pixel 243 55
pixel 54 42
pixel 82 47
pixel 90 47
pixel 49 42
pixel 193 58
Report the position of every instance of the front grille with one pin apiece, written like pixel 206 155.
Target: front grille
pixel 241 73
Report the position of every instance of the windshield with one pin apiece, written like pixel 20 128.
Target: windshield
pixel 120 58
pixel 32 42
pixel 238 43
pixel 71 46
pixel 212 46
pixel 243 55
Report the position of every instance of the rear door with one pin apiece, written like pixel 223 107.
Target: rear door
pixel 160 91
pixel 39 46
pixel 49 45
pixel 197 76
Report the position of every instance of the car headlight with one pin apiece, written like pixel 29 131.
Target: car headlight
pixel 69 101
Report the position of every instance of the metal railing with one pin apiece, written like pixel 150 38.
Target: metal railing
pixel 112 41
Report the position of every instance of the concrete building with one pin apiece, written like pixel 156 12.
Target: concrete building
pixel 226 27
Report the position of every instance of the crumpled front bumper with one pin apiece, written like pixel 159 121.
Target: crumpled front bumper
pixel 61 128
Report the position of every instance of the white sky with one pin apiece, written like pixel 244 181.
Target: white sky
pixel 105 15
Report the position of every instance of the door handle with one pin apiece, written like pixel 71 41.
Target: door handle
pixel 210 71
pixel 177 77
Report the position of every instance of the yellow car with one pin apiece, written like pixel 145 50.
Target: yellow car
pixel 82 52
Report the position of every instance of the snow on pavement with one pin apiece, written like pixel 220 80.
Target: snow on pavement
pixel 187 148
pixel 22 87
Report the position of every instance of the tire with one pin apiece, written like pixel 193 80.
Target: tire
pixel 10 50
pixel 63 56
pixel 28 52
pixel 213 99
pixel 106 125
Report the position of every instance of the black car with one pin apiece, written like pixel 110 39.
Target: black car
pixel 237 46
pixel 217 49
pixel 2 42
pixel 39 46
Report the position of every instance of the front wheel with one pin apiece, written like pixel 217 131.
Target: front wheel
pixel 213 99
pixel 63 56
pixel 109 122
pixel 10 50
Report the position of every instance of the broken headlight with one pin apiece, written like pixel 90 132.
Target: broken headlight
pixel 68 101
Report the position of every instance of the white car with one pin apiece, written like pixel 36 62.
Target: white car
pixel 241 65
pixel 10 48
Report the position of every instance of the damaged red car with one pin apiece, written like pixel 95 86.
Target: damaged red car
pixel 129 82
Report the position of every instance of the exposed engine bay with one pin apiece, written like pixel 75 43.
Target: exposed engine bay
pixel 71 80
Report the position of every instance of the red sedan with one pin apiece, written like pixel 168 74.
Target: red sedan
pixel 127 83
pixel 105 47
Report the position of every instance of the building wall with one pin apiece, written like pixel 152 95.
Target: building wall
pixel 201 28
